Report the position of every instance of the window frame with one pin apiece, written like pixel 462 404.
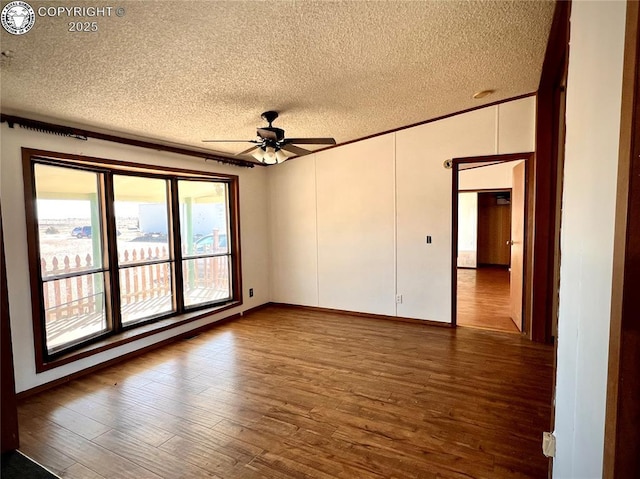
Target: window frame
pixel 118 333
pixel 116 267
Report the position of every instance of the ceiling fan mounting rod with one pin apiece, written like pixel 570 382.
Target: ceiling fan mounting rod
pixel 269 116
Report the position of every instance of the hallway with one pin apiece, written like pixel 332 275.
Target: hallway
pixel 483 299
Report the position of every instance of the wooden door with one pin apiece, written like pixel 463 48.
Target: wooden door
pixel 517 244
pixel 494 230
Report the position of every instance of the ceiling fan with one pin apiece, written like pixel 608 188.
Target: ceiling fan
pixel 270 143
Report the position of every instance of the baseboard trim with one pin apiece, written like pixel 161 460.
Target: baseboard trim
pixel 139 352
pixel 424 322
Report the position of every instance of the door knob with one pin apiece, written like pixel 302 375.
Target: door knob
pixel 510 242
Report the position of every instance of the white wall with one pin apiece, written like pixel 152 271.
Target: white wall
pixel 356 226
pixel 253 227
pixel 294 237
pixel 590 172
pixel 517 121
pixel 371 205
pixel 487 177
pixel 424 206
pixel 468 229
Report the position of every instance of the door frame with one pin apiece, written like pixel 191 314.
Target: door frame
pixel 621 434
pixel 529 158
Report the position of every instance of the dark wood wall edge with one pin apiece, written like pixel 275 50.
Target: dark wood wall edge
pixel 344 312
pixel 621 435
pixel 138 352
pixel 9 418
pixel 548 123
pixel 83 134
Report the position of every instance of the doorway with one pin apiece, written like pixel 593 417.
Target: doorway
pixel 484 260
pixel 489 243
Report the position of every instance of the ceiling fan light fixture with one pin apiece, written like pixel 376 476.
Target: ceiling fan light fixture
pixel 270 141
pixel 258 154
pixel 280 156
pixel 270 156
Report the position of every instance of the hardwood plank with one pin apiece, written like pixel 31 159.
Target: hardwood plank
pixel 278 465
pixel 324 456
pixel 78 471
pixel 258 435
pixel 432 454
pixel 300 393
pixel 33 446
pixel 334 454
pixel 162 463
pixel 204 456
pixel 104 410
pixel 483 299
pixel 103 461
pixel 73 421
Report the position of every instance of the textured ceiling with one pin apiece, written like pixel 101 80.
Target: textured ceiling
pixel 181 72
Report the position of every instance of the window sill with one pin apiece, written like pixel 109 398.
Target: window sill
pixel 132 335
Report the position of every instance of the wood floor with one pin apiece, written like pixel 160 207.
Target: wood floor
pixel 293 393
pixel 483 299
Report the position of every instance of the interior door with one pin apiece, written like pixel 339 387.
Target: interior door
pixel 517 244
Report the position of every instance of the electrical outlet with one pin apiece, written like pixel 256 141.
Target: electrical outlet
pixel 399 298
pixel 251 292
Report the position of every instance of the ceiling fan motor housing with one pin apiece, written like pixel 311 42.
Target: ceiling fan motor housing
pixel 269 116
pixel 271 141
pixel 271 133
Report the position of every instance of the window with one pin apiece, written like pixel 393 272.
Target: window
pixel 204 219
pixel 71 267
pixel 114 246
pixel 145 259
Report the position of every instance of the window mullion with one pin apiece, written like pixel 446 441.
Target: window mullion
pixel 176 239
pixel 233 196
pixel 112 253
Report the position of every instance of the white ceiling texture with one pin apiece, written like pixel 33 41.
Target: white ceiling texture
pixel 179 72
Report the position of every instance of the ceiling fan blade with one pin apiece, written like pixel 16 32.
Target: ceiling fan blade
pixel 311 141
pixel 267 134
pixel 230 141
pixel 294 149
pixel 248 150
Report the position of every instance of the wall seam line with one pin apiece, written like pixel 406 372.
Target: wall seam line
pixel 497 145
pixel 315 184
pixel 395 219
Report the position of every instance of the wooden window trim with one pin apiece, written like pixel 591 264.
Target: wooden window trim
pixel 143 330
pixel 44 361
